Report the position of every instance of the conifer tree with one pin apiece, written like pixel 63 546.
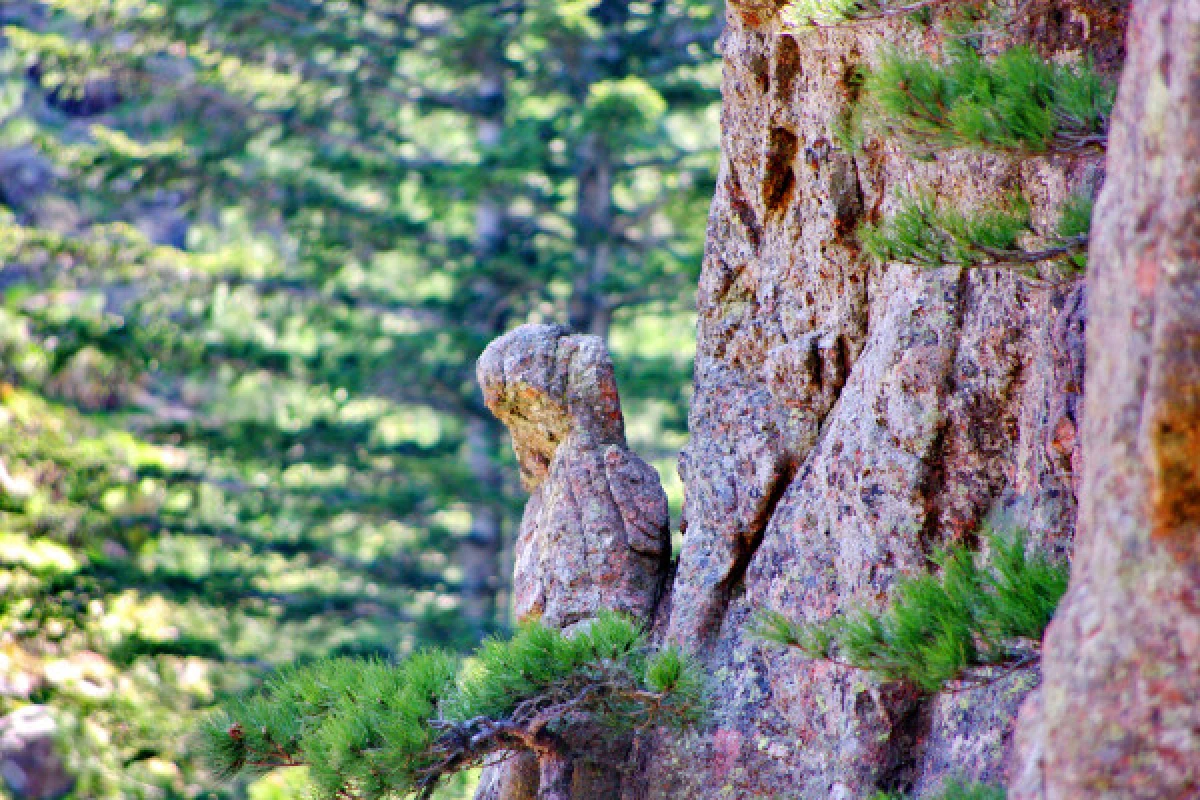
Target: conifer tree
pixel 366 729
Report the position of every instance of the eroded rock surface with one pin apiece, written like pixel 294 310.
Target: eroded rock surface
pixel 1119 713
pixel 850 418
pixel 595 531
pixel 594 534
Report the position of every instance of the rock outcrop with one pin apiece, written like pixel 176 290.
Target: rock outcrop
pixel 595 530
pixel 30 765
pixel 850 418
pixel 594 534
pixel 1118 715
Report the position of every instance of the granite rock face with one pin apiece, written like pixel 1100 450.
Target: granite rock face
pixel 849 418
pixel 594 534
pixel 1118 715
pixel 595 530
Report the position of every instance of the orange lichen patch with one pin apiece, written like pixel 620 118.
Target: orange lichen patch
pixel 1175 464
pixel 1146 275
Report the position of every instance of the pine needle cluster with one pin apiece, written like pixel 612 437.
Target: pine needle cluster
pixel 941 627
pixel 826 13
pixel 1017 101
pixel 371 729
pixel 924 234
pixel 954 790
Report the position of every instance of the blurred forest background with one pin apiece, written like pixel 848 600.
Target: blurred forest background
pixel 249 252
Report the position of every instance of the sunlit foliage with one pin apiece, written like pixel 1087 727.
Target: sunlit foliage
pixel 249 251
pixel 1017 101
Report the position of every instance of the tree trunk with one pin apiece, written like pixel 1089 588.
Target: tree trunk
pixel 480 553
pixel 1119 710
pixel 588 310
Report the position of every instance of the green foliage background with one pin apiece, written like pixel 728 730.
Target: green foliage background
pixel 249 251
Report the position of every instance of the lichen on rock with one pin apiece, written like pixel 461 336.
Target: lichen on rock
pixel 594 534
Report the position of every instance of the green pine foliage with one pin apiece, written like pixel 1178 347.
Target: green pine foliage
pixel 370 729
pixel 954 790
pixel 925 234
pixel 827 13
pixel 1016 102
pixel 940 627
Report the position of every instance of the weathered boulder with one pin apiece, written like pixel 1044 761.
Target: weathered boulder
pixel 594 534
pixel 30 765
pixel 1118 715
pixel 595 530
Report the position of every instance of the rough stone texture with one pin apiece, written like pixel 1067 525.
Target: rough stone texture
pixel 594 534
pixel 30 766
pixel 595 530
pixel 1119 713
pixel 850 418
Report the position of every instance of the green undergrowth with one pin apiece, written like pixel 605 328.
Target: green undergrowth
pixel 371 728
pixel 925 234
pixel 944 626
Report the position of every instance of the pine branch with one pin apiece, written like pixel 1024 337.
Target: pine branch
pixel 1017 102
pixel 942 628
pixel 366 728
pixel 922 234
pixel 805 14
pixel 954 790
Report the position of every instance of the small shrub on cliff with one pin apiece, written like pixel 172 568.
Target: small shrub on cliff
pixel 369 729
pixel 939 628
pixel 1017 101
pixel 924 234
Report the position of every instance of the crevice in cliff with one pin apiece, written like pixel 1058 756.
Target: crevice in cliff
pixel 779 173
pixel 749 544
pixel 742 208
pixel 787 67
pixel 935 482
pixel 906 747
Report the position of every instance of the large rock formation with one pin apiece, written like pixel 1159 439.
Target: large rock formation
pixel 849 418
pixel 1118 715
pixel 595 530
